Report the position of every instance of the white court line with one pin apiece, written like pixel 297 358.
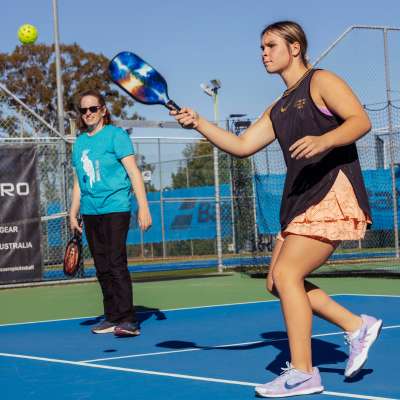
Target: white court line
pixel 171 375
pixel 357 396
pixel 215 347
pixel 193 308
pixel 144 312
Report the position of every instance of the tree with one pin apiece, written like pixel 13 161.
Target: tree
pixel 30 73
pixel 198 169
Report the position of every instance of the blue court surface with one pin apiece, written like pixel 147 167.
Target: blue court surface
pixel 214 352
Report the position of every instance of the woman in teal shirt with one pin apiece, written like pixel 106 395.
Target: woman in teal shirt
pixel 105 173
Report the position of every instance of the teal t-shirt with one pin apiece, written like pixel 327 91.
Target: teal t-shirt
pixel 104 183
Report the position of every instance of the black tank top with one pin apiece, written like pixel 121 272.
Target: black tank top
pixel 309 180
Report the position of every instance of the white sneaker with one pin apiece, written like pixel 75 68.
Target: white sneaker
pixel 292 382
pixel 360 345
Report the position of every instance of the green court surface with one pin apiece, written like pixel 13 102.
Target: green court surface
pixel 84 299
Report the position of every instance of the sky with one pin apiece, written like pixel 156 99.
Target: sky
pixel 191 42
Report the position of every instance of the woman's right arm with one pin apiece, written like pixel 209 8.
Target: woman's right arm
pixel 75 205
pixel 254 138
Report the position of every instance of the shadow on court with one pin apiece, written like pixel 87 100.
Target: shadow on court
pixel 323 352
pixel 340 371
pixel 143 313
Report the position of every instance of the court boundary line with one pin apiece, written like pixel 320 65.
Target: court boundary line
pixel 145 312
pixel 218 346
pixel 195 308
pixel 172 375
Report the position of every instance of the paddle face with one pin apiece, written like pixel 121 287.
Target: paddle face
pixel 72 256
pixel 139 79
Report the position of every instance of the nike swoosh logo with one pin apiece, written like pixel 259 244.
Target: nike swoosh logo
pixel 289 386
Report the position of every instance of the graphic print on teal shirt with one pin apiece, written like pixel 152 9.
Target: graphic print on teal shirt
pixel 104 183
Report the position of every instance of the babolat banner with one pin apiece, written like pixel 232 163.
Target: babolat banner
pixel 188 214
pixel 20 255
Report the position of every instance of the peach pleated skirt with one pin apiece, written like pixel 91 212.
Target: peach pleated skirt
pixel 335 218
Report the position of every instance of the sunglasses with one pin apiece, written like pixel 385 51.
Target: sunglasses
pixel 92 109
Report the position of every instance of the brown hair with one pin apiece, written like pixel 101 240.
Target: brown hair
pixel 94 93
pixel 291 32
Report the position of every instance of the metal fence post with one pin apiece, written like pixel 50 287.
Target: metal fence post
pixel 137 151
pixel 391 142
pixel 253 183
pixel 220 265
pixel 232 205
pixel 230 166
pixel 164 249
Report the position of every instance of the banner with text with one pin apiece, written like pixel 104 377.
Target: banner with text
pixel 189 213
pixel 378 183
pixel 20 254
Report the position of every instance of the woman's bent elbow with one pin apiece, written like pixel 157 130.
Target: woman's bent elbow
pixel 368 126
pixel 366 123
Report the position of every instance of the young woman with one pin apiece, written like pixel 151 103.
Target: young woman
pixel 316 121
pixel 105 172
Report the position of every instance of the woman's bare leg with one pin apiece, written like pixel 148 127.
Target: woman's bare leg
pixel 298 257
pixel 322 304
pixel 325 307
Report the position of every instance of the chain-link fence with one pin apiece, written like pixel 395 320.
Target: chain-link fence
pixel 179 178
pixel 376 82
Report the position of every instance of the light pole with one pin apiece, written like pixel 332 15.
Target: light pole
pixel 60 105
pixel 60 109
pixel 211 89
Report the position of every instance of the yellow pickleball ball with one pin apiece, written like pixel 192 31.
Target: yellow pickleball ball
pixel 27 34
